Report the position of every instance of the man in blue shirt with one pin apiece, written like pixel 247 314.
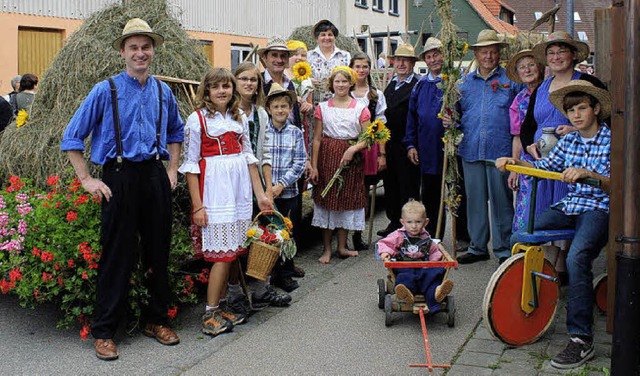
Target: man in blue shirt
pixel 486 95
pixel 135 188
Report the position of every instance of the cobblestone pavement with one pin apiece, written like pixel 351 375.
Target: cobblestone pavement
pixel 482 354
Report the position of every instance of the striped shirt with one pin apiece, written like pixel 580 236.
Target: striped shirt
pixel 592 155
pixel 288 156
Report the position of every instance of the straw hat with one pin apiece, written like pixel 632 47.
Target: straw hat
pixel 275 44
pixel 603 96
pixel 276 90
pixel 321 23
pixel 137 26
pixel 540 49
pixel 488 37
pixel 512 69
pixel 404 50
pixel 431 44
pixel 584 62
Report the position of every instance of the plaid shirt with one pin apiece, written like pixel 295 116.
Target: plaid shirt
pixel 593 155
pixel 288 156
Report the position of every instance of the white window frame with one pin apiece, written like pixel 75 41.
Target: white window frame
pixel 361 3
pixel 393 7
pixel 377 5
pixel 242 51
pixel 537 15
pixel 576 17
pixel 582 35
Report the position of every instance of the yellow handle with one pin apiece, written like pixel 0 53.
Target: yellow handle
pixel 534 172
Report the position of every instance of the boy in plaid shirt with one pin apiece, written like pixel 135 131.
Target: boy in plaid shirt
pixel 581 154
pixel 285 142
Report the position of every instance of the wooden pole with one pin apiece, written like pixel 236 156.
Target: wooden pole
pixel 443 190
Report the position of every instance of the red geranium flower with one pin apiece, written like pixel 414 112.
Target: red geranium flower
pixel 84 332
pixel 84 275
pixel 35 251
pixel 71 263
pixel 46 256
pixel 5 286
pixel 171 313
pixel 15 275
pixel 53 180
pixel 75 185
pixel 46 276
pixel 71 216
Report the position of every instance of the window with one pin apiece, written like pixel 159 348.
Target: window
pixel 393 8
pixel 394 46
pixel 361 4
pixel 207 48
pixel 538 15
pixel 377 6
pixel 362 42
pixel 576 17
pixel 239 52
pixel 377 44
pixel 506 16
pixel 582 35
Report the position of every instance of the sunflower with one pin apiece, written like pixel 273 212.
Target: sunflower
pixel 288 223
pixel 302 71
pixel 22 118
pixel 383 135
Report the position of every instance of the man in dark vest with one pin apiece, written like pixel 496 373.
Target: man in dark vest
pixel 402 178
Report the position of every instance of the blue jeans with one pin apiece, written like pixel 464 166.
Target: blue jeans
pixel 592 231
pixel 486 183
pixel 422 281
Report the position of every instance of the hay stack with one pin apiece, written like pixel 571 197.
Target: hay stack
pixel 33 151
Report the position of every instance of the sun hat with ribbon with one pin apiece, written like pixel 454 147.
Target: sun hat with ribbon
pixel 431 44
pixel 137 26
pixel 488 37
pixel 512 65
pixel 581 48
pixel 275 44
pixel 404 50
pixel 582 86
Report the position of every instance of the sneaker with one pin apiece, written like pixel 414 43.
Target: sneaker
pixel 404 294
pixel 470 258
pixel 285 283
pixel 213 323
pixel 576 353
pixel 230 315
pixel 239 304
pixel 443 290
pixel 271 298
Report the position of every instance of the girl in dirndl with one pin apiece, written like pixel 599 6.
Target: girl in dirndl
pixel 338 123
pixel 221 171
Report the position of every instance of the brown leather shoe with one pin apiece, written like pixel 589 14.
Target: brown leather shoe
pixel 106 349
pixel 162 333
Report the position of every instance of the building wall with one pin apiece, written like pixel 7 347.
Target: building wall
pixel 374 21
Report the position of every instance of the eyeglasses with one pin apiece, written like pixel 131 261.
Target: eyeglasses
pixel 558 53
pixel 523 67
pixel 253 80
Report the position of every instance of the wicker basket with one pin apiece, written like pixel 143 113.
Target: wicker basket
pixel 262 256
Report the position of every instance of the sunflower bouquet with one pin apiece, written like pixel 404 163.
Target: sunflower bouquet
pixel 376 133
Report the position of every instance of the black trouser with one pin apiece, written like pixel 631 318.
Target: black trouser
pixel 401 182
pixel 287 207
pixel 431 196
pixel 138 211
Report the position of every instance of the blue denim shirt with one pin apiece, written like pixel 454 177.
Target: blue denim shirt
pixel 485 115
pixel 138 108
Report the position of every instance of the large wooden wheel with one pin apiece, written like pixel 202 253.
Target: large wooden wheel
pixel 502 312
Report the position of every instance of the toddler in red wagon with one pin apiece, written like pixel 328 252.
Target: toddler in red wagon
pixel 412 242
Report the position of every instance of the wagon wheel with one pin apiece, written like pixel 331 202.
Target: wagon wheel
pixel 451 311
pixel 382 292
pixel 502 314
pixel 387 311
pixel 600 290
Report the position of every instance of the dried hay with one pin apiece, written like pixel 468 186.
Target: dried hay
pixel 33 151
pixel 518 42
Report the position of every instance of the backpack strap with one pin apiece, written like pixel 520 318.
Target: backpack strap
pixel 116 123
pixel 159 124
pixel 13 101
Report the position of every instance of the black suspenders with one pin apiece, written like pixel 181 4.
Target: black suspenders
pixel 116 121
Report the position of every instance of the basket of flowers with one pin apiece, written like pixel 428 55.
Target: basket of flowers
pixel 268 238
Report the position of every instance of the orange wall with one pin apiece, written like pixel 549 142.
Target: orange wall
pixel 9 23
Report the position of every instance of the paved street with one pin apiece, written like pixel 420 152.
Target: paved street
pixel 333 327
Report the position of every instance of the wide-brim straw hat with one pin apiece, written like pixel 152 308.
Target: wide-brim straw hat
pixel 602 95
pixel 488 37
pixel 137 26
pixel 277 90
pixel 404 50
pixel 512 65
pixel 431 44
pixel 275 44
pixel 540 49
pixel 323 22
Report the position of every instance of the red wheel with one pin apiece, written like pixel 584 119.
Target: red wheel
pixel 501 306
pixel 600 289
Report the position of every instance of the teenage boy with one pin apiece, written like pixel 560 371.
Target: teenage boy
pixel 581 154
pixel 285 141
